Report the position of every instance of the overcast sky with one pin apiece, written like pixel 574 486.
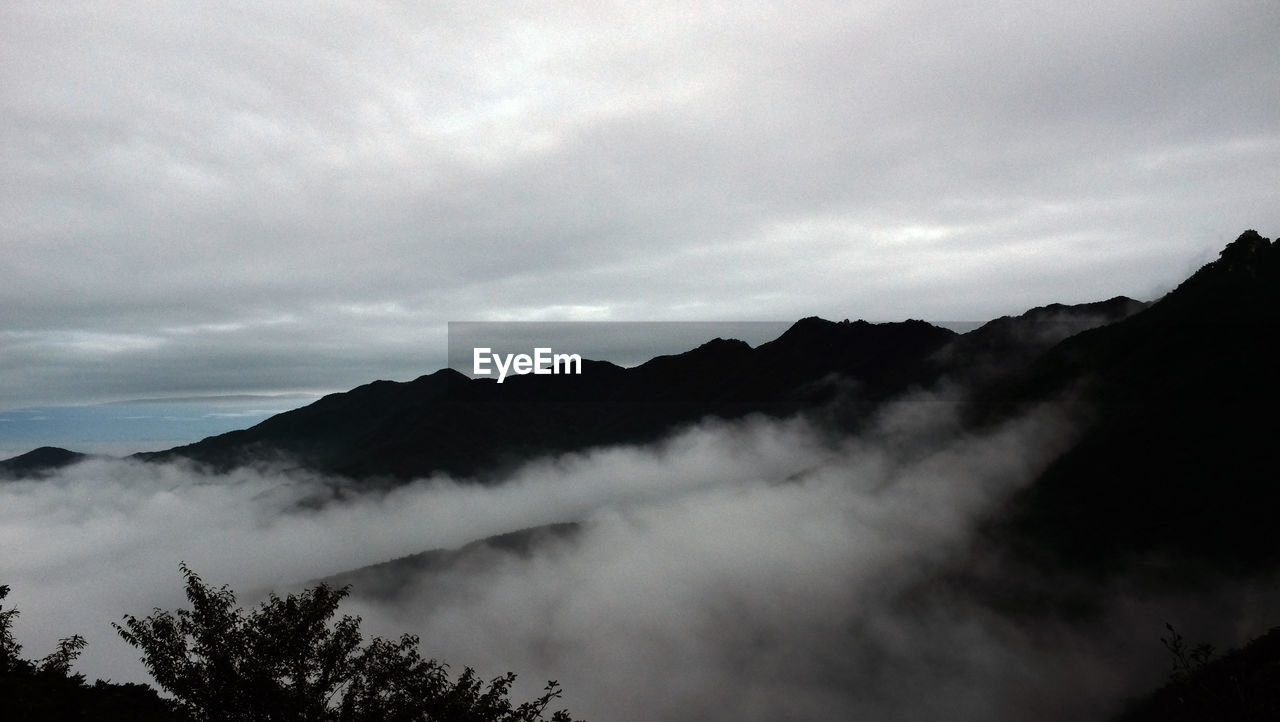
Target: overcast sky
pixel 236 197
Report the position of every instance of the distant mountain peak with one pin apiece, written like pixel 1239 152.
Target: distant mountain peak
pixel 1251 255
pixel 1249 247
pixel 39 462
pixel 1244 279
pixel 446 373
pixel 1252 258
pixel 719 342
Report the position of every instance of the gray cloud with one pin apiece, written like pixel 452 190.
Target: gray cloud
pixel 356 177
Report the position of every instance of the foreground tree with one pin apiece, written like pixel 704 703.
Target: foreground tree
pixel 48 690
pixel 287 660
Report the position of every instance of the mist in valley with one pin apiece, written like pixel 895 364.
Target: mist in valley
pixel 755 569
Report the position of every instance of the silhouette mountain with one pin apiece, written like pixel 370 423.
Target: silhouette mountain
pixel 447 422
pixel 1181 458
pixel 39 462
pixel 997 354
pixel 1177 457
pixel 388 579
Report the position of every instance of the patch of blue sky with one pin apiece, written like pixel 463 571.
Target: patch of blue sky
pixel 127 427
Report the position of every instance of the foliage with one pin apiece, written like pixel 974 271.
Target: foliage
pixel 47 690
pixel 1186 660
pixel 288 660
pixel 9 647
pixel 1241 686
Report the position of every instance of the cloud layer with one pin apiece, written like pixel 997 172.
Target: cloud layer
pixel 753 570
pixel 235 198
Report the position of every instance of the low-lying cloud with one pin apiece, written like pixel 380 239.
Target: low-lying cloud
pixel 758 569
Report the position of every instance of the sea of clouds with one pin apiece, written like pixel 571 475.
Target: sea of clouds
pixel 757 569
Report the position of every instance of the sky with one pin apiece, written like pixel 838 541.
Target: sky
pixel 229 198
pixel 127 427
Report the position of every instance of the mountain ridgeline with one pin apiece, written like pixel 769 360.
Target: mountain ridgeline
pixel 447 422
pixel 1182 456
pixel 1178 455
pixel 1167 483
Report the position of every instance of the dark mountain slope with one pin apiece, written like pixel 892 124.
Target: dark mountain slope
pixel 883 359
pixel 1243 686
pixel 39 462
pixel 446 422
pixel 317 433
pixel 388 579
pixel 995 356
pixel 1182 460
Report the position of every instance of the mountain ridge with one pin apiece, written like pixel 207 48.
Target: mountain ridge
pixel 39 462
pixel 1181 458
pixel 437 421
pixel 446 422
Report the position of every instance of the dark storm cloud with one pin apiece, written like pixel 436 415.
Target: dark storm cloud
pixel 361 175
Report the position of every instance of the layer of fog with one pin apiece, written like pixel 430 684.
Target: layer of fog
pixel 751 570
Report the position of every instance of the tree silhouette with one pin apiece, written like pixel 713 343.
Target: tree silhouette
pixel 288 660
pixel 48 690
